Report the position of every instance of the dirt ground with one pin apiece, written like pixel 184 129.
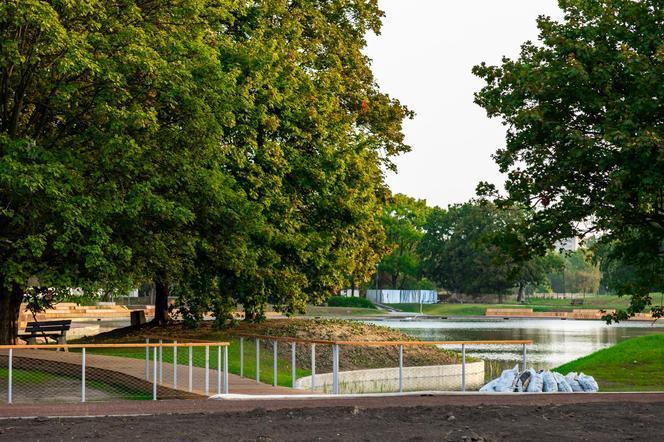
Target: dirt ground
pixel 606 420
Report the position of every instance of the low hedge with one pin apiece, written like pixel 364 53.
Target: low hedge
pixel 343 301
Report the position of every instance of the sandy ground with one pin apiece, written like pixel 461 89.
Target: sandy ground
pixel 596 417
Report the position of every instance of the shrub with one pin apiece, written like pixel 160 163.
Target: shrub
pixel 342 301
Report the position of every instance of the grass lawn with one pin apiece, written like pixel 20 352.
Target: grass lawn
pixel 636 364
pixel 452 309
pixel 32 376
pixel 44 380
pixel 537 304
pixel 341 311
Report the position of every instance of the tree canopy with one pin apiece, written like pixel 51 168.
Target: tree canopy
pixel 230 152
pixel 583 111
pixel 463 250
pixel 403 219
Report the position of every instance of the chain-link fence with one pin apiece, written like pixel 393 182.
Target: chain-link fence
pixel 163 368
pixel 100 372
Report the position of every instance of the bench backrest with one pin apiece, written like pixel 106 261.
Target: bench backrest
pixel 49 326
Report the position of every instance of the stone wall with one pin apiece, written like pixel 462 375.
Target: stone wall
pixel 385 380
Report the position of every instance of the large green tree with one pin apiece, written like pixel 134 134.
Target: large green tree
pixel 458 252
pixel 474 248
pixel 584 117
pixel 67 163
pixel 233 151
pixel 110 120
pixel 312 132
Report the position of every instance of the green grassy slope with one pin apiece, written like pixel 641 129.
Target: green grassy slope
pixel 636 364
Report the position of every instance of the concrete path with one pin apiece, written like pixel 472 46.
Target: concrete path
pixel 170 380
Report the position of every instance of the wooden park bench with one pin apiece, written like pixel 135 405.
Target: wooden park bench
pixel 56 330
pixel 577 301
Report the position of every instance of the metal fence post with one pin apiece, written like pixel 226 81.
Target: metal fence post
pixel 207 369
pixel 293 371
pixel 313 367
pixel 219 369
pixel 463 367
pixel 258 360
pixel 401 369
pixel 274 363
pixel 241 357
pixel 9 375
pixel 147 359
pixel 191 363
pixel 154 374
pixel 524 358
pixel 226 387
pixel 175 364
pixel 161 362
pixel 83 374
pixel 335 369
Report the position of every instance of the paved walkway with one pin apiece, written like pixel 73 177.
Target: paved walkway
pixel 171 381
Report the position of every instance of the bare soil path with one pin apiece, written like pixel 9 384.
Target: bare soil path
pixel 620 416
pixel 462 418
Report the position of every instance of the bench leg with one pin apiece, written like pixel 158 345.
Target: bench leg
pixel 62 340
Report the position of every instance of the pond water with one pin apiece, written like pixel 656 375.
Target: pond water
pixel 555 341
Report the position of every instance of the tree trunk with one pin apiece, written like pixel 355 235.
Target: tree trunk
pixel 352 286
pixel 395 278
pixel 161 303
pixel 521 296
pixel 10 308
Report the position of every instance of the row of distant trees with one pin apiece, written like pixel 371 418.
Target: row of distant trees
pixel 465 249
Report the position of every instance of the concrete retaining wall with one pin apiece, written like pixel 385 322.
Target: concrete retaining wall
pixel 428 378
pixel 574 314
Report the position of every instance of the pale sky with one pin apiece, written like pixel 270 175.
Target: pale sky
pixel 424 57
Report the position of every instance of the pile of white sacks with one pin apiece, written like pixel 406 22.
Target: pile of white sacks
pixel 532 381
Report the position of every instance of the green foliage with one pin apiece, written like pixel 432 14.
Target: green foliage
pixel 403 219
pixel 465 250
pixel 636 364
pixel 310 133
pixel 456 252
pixel 583 111
pixel 232 152
pixel 343 301
pixel 577 274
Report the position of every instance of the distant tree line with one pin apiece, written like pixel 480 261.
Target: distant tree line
pixel 469 249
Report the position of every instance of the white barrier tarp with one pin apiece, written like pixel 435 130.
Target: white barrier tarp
pixel 403 296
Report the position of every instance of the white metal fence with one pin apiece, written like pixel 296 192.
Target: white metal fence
pixel 98 372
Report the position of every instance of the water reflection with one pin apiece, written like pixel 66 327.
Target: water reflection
pixel 555 341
